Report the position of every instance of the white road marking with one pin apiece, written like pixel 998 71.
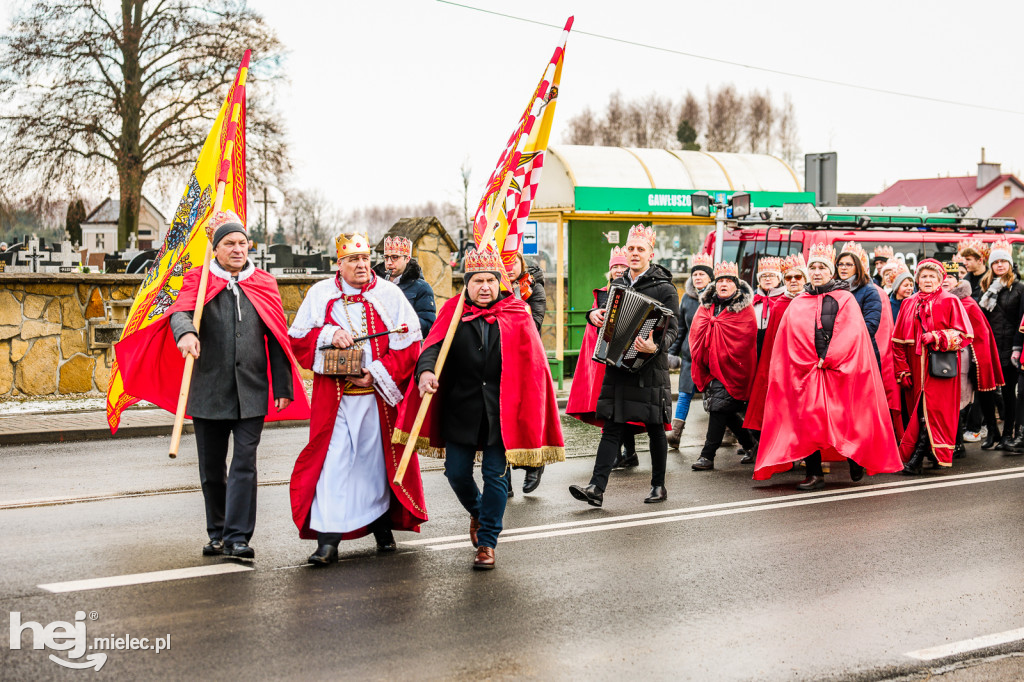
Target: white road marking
pixel 688 515
pixel 954 648
pixel 841 493
pixel 142 578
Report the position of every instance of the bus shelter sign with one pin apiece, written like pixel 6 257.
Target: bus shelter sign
pixel 638 200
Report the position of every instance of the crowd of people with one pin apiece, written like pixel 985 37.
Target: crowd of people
pixel 820 363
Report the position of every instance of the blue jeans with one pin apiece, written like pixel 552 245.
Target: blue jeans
pixel 488 507
pixel 683 406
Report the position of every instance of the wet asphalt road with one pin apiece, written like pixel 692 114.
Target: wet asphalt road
pixel 757 583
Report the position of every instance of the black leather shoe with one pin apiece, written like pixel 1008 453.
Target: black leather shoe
pixel 1006 445
pixel 532 479
pixel 749 456
pixel 590 494
pixel 626 461
pixel 658 494
pixel 240 550
pixel 324 555
pixel 990 441
pixel 856 471
pixel 703 464
pixel 385 540
pixel 812 483
pixel 960 451
pixel 914 465
pixel 213 548
pixel 511 493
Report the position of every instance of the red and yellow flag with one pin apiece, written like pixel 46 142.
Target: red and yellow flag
pixel 525 164
pixel 222 159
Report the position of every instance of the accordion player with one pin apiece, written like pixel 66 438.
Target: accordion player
pixel 629 314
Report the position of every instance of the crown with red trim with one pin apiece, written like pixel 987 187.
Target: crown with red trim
pixel 1001 250
pixel 397 246
pixel 483 261
pixel 351 244
pixel 221 218
pixel 884 251
pixel 822 253
pixel 727 269
pixel 617 257
pixel 795 261
pixel 704 259
pixel 972 247
pixel 641 232
pixel 893 277
pixel 857 250
pixel 769 265
pixel 959 259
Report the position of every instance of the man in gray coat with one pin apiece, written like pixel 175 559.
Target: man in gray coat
pixel 230 388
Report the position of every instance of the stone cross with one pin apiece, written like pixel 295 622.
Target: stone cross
pixel 31 255
pixel 65 259
pixel 263 258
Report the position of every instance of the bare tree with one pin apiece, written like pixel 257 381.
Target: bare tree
pixel 311 217
pixel 93 91
pixel 788 143
pixel 649 123
pixel 759 120
pixel 583 128
pixel 725 119
pixel 691 119
pixel 465 172
pixel 613 127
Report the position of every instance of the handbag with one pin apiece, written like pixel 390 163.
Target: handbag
pixel 942 364
pixel 343 362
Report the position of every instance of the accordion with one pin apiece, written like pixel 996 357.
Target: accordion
pixel 628 314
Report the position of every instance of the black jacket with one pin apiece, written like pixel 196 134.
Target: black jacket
pixel 975 280
pixel 229 380
pixel 538 300
pixel 470 383
pixel 681 346
pixel 829 312
pixel 644 396
pixel 715 396
pixel 416 289
pixel 1005 319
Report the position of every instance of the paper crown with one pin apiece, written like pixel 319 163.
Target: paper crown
pixel 1001 250
pixel 483 261
pixel 617 257
pixel 351 244
pixel 727 269
pixel 769 265
pixel 884 251
pixel 972 247
pixel 858 251
pixel 221 218
pixel 397 246
pixel 822 253
pixel 641 232
pixel 704 259
pixel 957 258
pixel 794 261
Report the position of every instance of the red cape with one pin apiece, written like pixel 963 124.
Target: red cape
pixel 152 366
pixel 986 354
pixel 755 408
pixel 838 408
pixel 941 313
pixel 724 348
pixel 530 427
pixel 883 339
pixel 408 507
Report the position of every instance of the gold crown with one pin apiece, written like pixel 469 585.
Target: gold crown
pixel 704 259
pixel 794 260
pixel 822 252
pixel 397 246
pixel 617 257
pixel 973 244
pixel 641 232
pixel 727 269
pixel 483 261
pixel 351 243
pixel 884 251
pixel 952 268
pixel 769 265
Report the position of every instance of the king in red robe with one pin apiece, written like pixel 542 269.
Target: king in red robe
pixel 342 484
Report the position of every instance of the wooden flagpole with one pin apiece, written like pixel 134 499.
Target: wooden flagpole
pixel 186 377
pixel 417 425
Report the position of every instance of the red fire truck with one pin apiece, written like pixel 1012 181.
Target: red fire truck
pixel 913 233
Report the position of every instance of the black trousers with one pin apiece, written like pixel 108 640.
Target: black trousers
pixel 230 495
pixel 717 423
pixel 1009 392
pixel 608 450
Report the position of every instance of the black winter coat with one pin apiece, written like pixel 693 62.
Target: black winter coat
pixel 644 396
pixel 681 346
pixel 538 300
pixel 416 289
pixel 1005 319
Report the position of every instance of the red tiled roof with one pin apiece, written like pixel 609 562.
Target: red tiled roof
pixel 1014 209
pixel 937 193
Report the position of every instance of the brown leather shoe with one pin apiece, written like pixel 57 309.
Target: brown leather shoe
pixel 474 526
pixel 484 559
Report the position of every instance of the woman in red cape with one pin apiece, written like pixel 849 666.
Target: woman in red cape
pixel 825 363
pixel 794 277
pixel 393 359
pixel 930 320
pixel 151 364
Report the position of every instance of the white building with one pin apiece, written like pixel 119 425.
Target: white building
pixel 99 229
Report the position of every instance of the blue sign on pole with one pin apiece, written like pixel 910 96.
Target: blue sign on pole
pixel 530 238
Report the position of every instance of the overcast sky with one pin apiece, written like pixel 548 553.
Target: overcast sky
pixel 388 97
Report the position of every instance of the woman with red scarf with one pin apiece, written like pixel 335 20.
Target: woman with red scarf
pixel 931 321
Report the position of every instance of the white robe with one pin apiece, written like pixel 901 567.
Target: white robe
pixel 353 487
